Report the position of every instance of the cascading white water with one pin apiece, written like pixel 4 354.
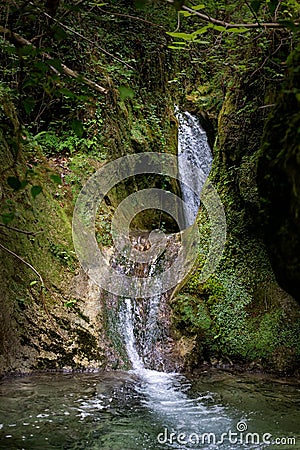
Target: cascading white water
pixel 126 317
pixel 139 325
pixel 193 147
pixel 138 317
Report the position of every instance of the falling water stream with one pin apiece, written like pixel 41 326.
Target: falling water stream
pixel 192 147
pixel 143 408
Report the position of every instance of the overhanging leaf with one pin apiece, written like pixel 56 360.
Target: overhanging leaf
pixel 185 36
pixel 202 30
pixel 59 33
pixel 14 183
pixel 7 217
pixel 197 7
pixel 237 30
pixel 56 63
pixel 186 13
pixel 35 191
pixel 173 47
pixel 197 41
pixel 23 184
pixel 218 27
pixel 66 92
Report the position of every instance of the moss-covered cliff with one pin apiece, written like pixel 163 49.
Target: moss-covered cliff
pixel 278 181
pixel 55 325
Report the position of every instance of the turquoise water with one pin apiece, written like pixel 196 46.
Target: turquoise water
pixel 130 410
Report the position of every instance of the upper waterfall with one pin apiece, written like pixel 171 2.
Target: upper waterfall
pixel 194 148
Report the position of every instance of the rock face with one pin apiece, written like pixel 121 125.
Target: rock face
pixel 279 182
pixel 54 337
pixel 56 328
pixel 59 326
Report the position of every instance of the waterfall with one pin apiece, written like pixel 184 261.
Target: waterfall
pixel 140 326
pixel 139 322
pixel 192 147
pixel 127 329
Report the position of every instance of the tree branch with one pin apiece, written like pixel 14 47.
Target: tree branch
pixel 29 233
pixel 207 18
pixel 18 40
pixel 24 262
pixel 42 286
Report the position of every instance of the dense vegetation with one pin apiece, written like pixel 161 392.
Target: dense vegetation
pixel 84 83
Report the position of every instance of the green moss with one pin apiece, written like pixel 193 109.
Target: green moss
pixel 191 315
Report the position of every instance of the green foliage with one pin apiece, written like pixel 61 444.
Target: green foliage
pixel 7 217
pixel 70 303
pixel 52 144
pixel 14 183
pixel 56 178
pixel 63 254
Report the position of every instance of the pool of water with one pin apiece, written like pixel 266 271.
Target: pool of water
pixel 149 410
